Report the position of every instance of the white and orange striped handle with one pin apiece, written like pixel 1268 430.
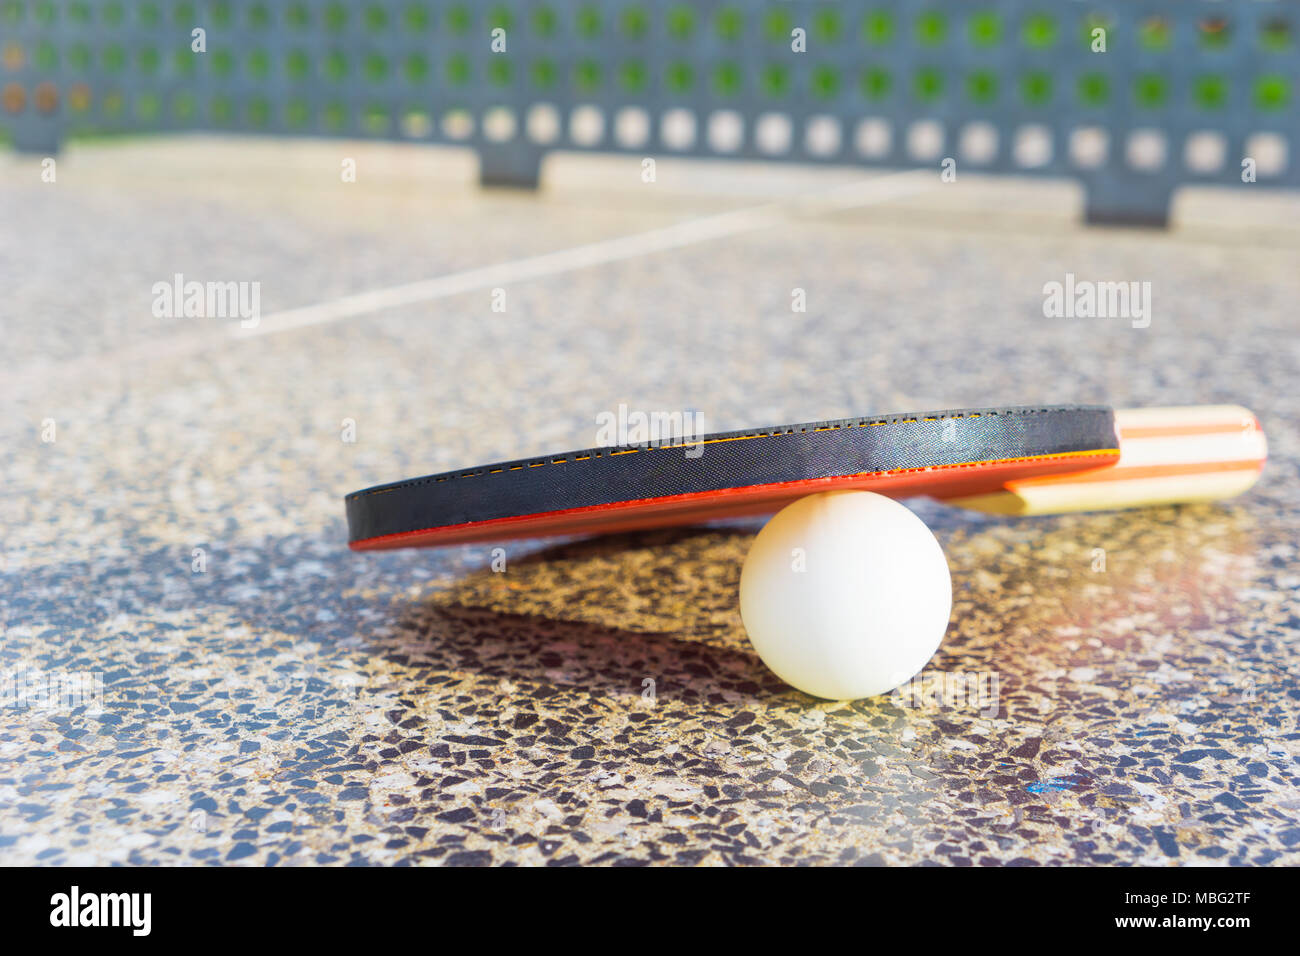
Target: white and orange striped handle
pixel 1166 455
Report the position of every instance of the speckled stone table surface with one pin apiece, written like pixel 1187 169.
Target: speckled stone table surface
pixel 173 527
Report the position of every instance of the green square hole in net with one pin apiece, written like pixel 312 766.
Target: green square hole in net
pixel 984 29
pixel 876 83
pixel 1210 91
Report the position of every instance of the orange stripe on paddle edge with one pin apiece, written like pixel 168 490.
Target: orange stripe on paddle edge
pixel 1183 431
pixel 1120 473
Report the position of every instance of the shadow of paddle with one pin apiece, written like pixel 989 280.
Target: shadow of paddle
pixel 605 615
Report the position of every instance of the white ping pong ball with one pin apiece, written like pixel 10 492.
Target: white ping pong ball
pixel 845 594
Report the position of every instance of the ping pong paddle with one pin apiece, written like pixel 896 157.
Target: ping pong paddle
pixel 1014 460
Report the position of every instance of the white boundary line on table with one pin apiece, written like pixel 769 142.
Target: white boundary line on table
pixel 694 231
pixel 875 190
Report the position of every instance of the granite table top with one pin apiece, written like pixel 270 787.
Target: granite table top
pixel 198 671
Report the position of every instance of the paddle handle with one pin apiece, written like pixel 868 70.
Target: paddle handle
pixel 1167 455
